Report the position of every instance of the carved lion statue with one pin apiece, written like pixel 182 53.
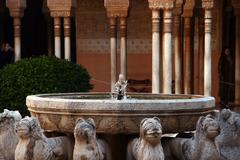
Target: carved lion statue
pixel 34 145
pixel 87 146
pixel 200 147
pixel 8 137
pixel 148 146
pixel 228 142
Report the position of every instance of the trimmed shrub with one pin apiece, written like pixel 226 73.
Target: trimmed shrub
pixel 37 76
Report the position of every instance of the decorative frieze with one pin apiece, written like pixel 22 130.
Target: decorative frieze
pixel 61 8
pixel 207 4
pixel 117 8
pixel 16 7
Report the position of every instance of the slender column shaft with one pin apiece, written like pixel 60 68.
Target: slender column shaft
pixel 178 57
pixel 155 52
pixel 167 51
pixel 123 47
pixel 207 53
pixel 187 55
pixel 57 37
pixel 237 61
pixel 67 34
pixel 17 38
pixel 113 52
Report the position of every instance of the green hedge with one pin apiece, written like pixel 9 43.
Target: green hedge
pixel 39 75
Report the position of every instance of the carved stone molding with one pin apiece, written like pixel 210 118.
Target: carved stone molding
pixel 17 26
pixel 117 8
pixel 207 4
pixel 57 27
pixel 113 26
pixel 188 8
pixel 167 21
pixel 159 4
pixel 155 21
pixel 123 27
pixel 16 7
pixel 177 11
pixel 61 8
pixel 67 26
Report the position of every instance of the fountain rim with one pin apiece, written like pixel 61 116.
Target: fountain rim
pixel 60 97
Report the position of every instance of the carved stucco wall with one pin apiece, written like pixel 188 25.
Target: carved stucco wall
pixel 93 33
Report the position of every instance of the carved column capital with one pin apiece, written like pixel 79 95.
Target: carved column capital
pixel 116 8
pixel 207 4
pixel 123 26
pixel 67 26
pixel 167 21
pixel 188 8
pixel 61 8
pixel 16 7
pixel 57 26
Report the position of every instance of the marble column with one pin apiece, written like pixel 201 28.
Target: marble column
pixel 167 51
pixel 57 37
pixel 237 57
pixel 177 53
pixel 187 55
pixel 113 51
pixel 17 38
pixel 155 51
pixel 208 53
pixel 123 47
pixel 67 38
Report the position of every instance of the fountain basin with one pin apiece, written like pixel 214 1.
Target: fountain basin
pixel 178 113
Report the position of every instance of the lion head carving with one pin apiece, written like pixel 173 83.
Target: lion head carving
pixel 29 127
pixel 8 137
pixel 207 126
pixel 148 146
pixel 87 146
pixel 151 130
pixel 228 142
pixel 8 118
pixel 85 129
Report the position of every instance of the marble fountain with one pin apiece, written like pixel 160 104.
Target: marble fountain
pixel 118 115
pixel 178 113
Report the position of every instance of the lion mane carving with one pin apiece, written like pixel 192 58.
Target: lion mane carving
pixel 228 142
pixel 148 146
pixel 200 147
pixel 8 137
pixel 87 146
pixel 34 145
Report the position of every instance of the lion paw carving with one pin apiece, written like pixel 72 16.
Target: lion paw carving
pixel 228 142
pixel 8 137
pixel 200 147
pixel 87 146
pixel 148 146
pixel 34 145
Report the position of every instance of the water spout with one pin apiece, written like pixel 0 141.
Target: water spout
pixel 121 87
